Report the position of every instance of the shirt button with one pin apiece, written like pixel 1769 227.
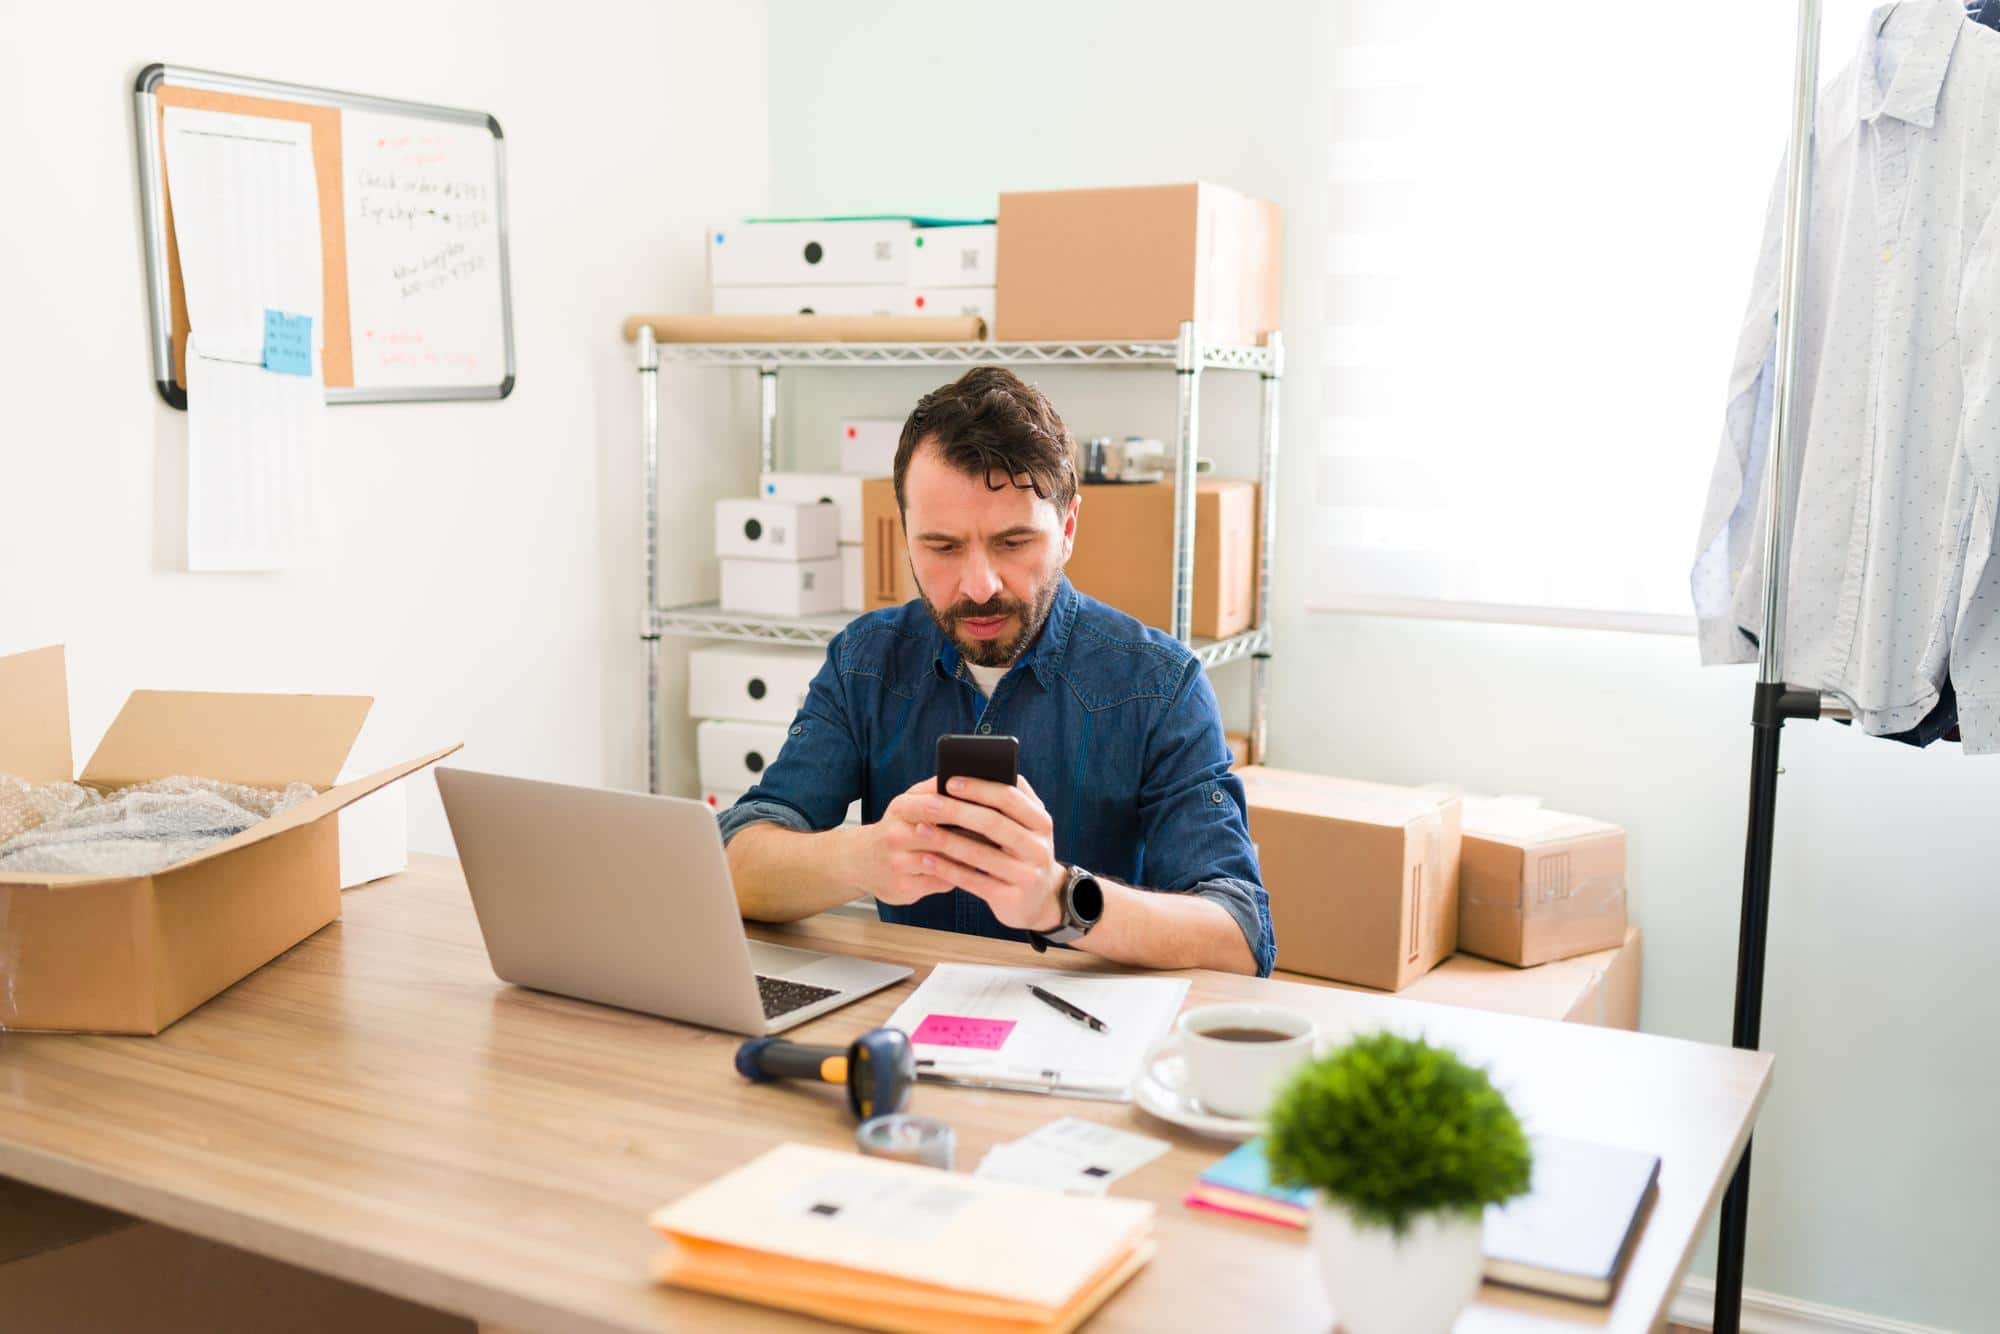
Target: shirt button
pixel 797 730
pixel 1215 795
pixel 986 727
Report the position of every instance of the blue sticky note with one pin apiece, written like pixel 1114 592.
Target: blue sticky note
pixel 288 343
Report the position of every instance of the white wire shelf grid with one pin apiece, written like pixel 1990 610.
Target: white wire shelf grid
pixel 1214 356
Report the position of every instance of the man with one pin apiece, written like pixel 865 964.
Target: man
pixel 1126 835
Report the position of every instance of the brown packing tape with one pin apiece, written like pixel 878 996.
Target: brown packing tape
pixel 809 328
pixel 1593 894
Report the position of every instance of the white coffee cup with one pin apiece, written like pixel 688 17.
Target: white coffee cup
pixel 1231 1072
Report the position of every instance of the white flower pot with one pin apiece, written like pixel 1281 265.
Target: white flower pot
pixel 1380 1283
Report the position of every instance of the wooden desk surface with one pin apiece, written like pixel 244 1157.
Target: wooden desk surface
pixel 377 1106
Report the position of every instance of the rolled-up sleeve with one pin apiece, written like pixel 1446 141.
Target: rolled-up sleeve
pixel 1195 820
pixel 817 774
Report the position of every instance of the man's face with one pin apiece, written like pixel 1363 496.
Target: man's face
pixel 987 562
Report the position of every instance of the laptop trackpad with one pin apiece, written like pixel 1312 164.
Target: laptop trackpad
pixel 782 960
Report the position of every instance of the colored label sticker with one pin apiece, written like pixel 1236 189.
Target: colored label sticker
pixel 954 1030
pixel 287 343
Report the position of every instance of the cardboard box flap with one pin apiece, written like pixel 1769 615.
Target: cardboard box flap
pixel 325 804
pixel 34 717
pixel 1525 826
pixel 1338 798
pixel 266 741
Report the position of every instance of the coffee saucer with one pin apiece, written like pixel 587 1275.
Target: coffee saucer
pixel 1162 1089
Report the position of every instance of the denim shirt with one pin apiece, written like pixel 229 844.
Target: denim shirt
pixel 1119 733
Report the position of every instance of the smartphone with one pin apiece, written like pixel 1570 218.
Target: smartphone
pixel 971 755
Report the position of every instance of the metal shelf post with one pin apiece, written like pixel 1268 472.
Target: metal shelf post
pixel 649 630
pixel 1267 524
pixel 1187 376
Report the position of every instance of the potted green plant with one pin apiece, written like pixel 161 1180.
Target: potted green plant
pixel 1404 1145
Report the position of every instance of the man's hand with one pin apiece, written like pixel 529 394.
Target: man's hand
pixel 1019 877
pixel 897 870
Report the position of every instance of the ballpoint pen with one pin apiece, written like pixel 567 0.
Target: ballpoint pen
pixel 1058 1003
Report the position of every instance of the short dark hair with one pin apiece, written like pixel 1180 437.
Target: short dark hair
pixel 991 420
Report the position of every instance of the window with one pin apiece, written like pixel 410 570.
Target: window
pixel 1543 220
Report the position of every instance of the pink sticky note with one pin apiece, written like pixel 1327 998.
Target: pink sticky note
pixel 953 1030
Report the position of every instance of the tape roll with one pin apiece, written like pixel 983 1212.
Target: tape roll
pixel 923 1140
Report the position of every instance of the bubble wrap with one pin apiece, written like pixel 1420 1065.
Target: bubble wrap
pixel 133 831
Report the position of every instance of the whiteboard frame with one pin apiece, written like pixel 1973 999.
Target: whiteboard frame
pixel 153 219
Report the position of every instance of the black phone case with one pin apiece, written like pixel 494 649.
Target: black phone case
pixel 976 755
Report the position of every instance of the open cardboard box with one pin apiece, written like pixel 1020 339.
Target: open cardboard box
pixel 81 953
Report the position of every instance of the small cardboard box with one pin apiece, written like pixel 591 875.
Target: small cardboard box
pixel 132 954
pixel 750 682
pixel 980 301
pixel 1363 877
pixel 732 755
pixel 886 575
pixel 759 529
pixel 1539 885
pixel 870 251
pixel 955 256
pixel 825 299
pixel 1600 988
pixel 1136 262
pixel 853 583
pixel 1239 748
pixel 868 445
pixel 818 488
pixel 781 587
pixel 1124 552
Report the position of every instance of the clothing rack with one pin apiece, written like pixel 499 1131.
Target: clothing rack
pixel 1774 702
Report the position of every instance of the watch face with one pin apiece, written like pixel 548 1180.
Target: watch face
pixel 1086 900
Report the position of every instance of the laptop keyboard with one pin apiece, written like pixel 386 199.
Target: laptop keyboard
pixel 781 997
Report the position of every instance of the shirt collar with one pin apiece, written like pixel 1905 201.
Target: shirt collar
pixel 1912 95
pixel 1044 656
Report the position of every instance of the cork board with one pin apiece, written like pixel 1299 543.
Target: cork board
pixel 421 192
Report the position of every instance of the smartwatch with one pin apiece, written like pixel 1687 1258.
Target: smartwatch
pixel 1082 900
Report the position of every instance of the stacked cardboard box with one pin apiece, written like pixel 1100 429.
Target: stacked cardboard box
pixel 852 266
pixel 744 698
pixel 1124 552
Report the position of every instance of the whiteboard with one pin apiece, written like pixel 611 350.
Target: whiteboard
pixel 423 252
pixel 414 227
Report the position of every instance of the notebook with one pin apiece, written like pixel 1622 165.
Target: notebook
pixel 889 1245
pixel 972 1024
pixel 1571 1234
pixel 1240 1184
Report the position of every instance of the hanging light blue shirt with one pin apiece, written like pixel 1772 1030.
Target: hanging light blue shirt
pixel 1120 737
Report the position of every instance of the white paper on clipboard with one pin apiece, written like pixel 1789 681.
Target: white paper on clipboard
pixel 1045 1050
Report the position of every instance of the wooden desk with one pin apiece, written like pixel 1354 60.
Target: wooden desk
pixel 376 1106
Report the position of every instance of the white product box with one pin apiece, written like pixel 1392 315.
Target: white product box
pixel 818 488
pixel 868 445
pixel 748 254
pixel 766 685
pixel 953 301
pixel 781 587
pixel 826 299
pixel 851 596
pixel 720 801
pixel 776 530
pixel 732 755
pixel 955 256
pixel 374 834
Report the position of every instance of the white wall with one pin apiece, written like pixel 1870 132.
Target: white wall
pixel 1876 1169
pixel 483 579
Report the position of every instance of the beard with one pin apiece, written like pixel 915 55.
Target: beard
pixel 996 652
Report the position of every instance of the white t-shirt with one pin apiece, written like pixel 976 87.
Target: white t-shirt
pixel 986 677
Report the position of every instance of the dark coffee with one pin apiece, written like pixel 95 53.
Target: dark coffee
pixel 1246 1034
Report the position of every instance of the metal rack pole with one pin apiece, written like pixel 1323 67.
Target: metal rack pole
pixel 1267 527
pixel 1773 703
pixel 649 630
pixel 767 417
pixel 1187 373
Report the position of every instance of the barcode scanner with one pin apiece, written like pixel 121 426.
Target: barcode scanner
pixel 878 1068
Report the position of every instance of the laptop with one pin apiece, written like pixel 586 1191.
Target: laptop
pixel 624 899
